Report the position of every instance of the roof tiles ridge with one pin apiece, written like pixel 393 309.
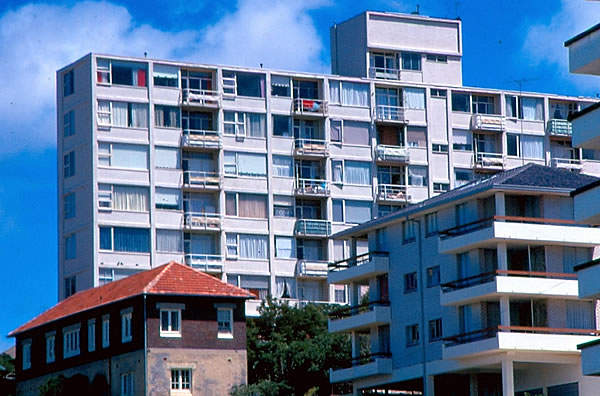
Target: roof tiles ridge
pixel 157 278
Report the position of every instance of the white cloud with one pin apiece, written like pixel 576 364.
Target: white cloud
pixel 38 39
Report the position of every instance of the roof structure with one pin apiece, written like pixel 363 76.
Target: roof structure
pixel 169 279
pixel 527 177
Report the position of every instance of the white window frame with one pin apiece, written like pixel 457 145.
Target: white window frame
pixel 231 245
pixel 105 332
pixel 69 164
pixel 239 124
pixel 104 115
pixel 126 323
pixel 225 331
pixel 177 384
pixel 412 335
pixel 51 347
pixel 169 332
pixel 435 329
pixel 26 354
pixel 105 196
pixel 69 123
pixel 71 341
pixel 91 335
pixel 127 384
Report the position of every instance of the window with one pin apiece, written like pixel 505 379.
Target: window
pixel 414 98
pixel 69 124
pixel 462 140
pixel 433 276
pixel 461 101
pixel 198 81
pixel 412 335
pixel 244 124
pixel 284 247
pixel 26 354
pixel 534 392
pixel 417 176
pixel 352 94
pixel 68 83
pixel 181 379
pixel 247 246
pixel 438 93
pixel 244 84
pixel 70 286
pixel 282 126
pixel 166 116
pixel 71 341
pixel 127 384
pixel 123 198
pixel 571 389
pixel 383 65
pixel 125 156
pixel 122 114
pixel 437 58
pixel 281 86
pixel 355 172
pixel 69 164
pixel 121 73
pixel 441 187
pixel 91 335
pixel 435 329
pixel 70 247
pixel 338 210
pixel 383 210
pixel 357 212
pixel 431 224
pixel 531 109
pixel 167 157
pixel 246 205
pixel 167 198
pixel 532 146
pixel 350 132
pixel 483 104
pixel 411 61
pixel 439 148
pixel 283 206
pixel 105 332
pixel 50 348
pixel 410 282
pixel 165 76
pixel 416 136
pixel 170 323
pixel 282 166
pixel 512 144
pixel 462 177
pixel 305 89
pixel 245 164
pixel 125 239
pixel 225 322
pixel 408 231
pixel 69 210
pixel 169 241
pixel 126 332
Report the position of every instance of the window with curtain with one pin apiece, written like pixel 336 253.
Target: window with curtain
pixel 280 86
pixel 334 92
pixel 338 210
pixel 284 247
pixel 411 61
pixel 165 75
pixel 130 198
pixel 200 244
pixel 532 146
pixel 283 206
pixel 580 315
pixel 245 164
pixel 416 136
pixel 462 140
pixel 461 102
pixel 129 156
pixel 511 106
pixel 335 131
pixel 282 126
pixel 252 206
pixel 167 198
pixel 166 116
pixel 286 287
pixel 355 94
pixel 532 108
pixel 255 125
pixel 127 73
pixel 356 133
pixel 124 239
pixel 253 246
pixel 337 171
pixel 356 172
pixel 414 98
pixel 309 249
pixel 167 157
pixel 358 211
pixel 250 84
pixel 169 241
pixel 103 113
pixel 130 115
pixel 231 241
pixel 417 176
pixel 283 166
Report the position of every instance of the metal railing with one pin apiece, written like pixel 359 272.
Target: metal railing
pixel 312 268
pixel 557 127
pixel 303 146
pixel 487 277
pixel 309 106
pixel 365 359
pixel 312 187
pixel 392 192
pixel 484 159
pixel 390 113
pixel 313 227
pixel 201 138
pixel 205 262
pixel 202 221
pixel 356 260
pixel 392 153
pixel 566 163
pixel 386 73
pixel 200 97
pixel 347 312
pixel 202 179
pixel 488 122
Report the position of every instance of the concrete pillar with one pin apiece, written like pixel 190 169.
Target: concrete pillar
pixel 508 383
pixel 500 204
pixel 354 294
pixel 430 386
pixel 473 385
pixel 502 256
pixel 355 344
pixel 504 311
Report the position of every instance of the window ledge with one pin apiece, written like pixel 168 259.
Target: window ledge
pixel 225 336
pixel 170 335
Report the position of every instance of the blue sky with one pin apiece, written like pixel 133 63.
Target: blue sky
pixel 504 41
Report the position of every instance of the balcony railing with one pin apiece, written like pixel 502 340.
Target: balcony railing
pixel 201 138
pixel 358 309
pixel 386 73
pixel 313 107
pixel 488 122
pixel 391 153
pixel 558 127
pixel 312 268
pixel 390 113
pixel 568 163
pixel 489 160
pixel 200 97
pixel 313 227
pixel 366 359
pixel 311 147
pixel 199 179
pixel 392 192
pixel 202 221
pixel 487 277
pixel 312 187
pixel 212 263
pixel 490 332
pixel 356 260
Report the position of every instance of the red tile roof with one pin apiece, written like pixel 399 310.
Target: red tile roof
pixel 171 278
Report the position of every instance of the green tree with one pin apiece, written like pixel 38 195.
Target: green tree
pixel 290 350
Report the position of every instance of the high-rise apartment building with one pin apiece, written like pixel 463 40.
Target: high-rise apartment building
pixel 246 172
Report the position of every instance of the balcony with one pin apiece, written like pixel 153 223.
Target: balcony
pixel 312 188
pixel 567 163
pixel 585 206
pixel 359 268
pixel 202 180
pixel 309 107
pixel 385 153
pixel 588 274
pixel 590 358
pixel 312 268
pixel 488 122
pixel 390 114
pixel 384 73
pixel 201 98
pixel 209 263
pixel 205 139
pixel 392 193
pixel 321 228
pixel 202 221
pixel 362 367
pixel 360 317
pixel 514 338
pixel 489 161
pixel 488 231
pixel 559 128
pixel 515 283
pixel 311 148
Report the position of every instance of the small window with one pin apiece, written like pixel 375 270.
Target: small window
pixel 225 322
pixel 431 224
pixel 284 247
pixel 438 93
pixel 71 342
pixel 68 83
pixel 91 335
pixel 408 232
pixel 127 384
pixel 105 332
pixel 70 254
pixel 461 102
pixel 512 144
pixel 410 282
pixel 69 124
pixel 441 187
pixel 437 58
pixel 166 116
pixel 70 286
pixel 439 148
pixel 412 335
pixel 50 348
pixel 282 126
pixel 126 333
pixel 170 323
pixel 283 206
pixel 69 164
pixel 69 206
pixel 433 276
pixel 165 76
pixel 26 354
pixel 435 329
pixel 181 379
pixel 280 86
pixel 411 61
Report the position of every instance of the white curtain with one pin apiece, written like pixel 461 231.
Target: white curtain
pixel 230 163
pixel 337 171
pixel 255 124
pixel 232 244
pixel 334 92
pixel 532 146
pixel 284 247
pixel 358 211
pixel 167 157
pixel 201 244
pixel 168 198
pixel 533 108
pixel 250 164
pixel 580 315
pixel 103 112
pixel 130 198
pixel 252 206
pixel 119 114
pixel 355 94
pixel 200 203
pixel 282 166
pixel 356 132
pixel 139 115
pixel 253 246
pixel 356 172
pixel 286 287
pixel 335 130
pixel 462 137
pixel 414 98
pixel 511 106
pixel 129 156
pixel 165 71
pixel 417 176
pixel 169 241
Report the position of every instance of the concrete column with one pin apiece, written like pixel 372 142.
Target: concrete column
pixel 473 385
pixel 355 344
pixel 504 311
pixel 354 294
pixel 500 204
pixel 430 386
pixel 502 256
pixel 508 383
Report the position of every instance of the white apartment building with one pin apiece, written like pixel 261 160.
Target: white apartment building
pixel 246 172
pixel 472 292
